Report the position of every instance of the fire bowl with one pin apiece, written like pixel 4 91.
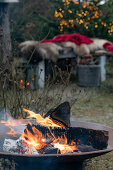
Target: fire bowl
pixel 58 161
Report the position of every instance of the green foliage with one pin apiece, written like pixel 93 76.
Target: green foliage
pixel 108 18
pixel 88 17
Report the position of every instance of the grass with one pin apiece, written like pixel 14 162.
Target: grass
pixel 99 109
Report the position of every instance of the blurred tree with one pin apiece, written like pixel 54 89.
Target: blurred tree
pixel 25 24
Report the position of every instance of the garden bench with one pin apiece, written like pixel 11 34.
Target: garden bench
pixel 40 70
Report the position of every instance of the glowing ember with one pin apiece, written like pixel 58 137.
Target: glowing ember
pixel 65 148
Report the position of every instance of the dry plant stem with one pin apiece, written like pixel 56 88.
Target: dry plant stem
pixel 4 100
pixel 66 81
pixel 40 100
pixel 29 60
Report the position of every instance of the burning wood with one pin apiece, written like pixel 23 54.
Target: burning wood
pixel 60 114
pixel 40 140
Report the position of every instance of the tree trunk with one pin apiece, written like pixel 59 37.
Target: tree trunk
pixel 5 40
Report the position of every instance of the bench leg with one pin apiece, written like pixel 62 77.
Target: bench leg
pixel 102 62
pixel 40 75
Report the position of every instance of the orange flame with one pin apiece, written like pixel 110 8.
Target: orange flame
pixel 43 121
pixel 34 139
pixel 12 132
pixel 11 123
pixel 62 144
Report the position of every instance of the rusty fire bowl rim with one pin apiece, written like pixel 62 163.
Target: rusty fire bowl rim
pixel 70 157
pixel 74 156
pixel 109 149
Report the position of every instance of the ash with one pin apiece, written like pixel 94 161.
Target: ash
pixel 18 146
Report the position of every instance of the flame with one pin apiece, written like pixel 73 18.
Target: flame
pixel 11 123
pixel 62 144
pixel 43 121
pixel 12 132
pixel 34 138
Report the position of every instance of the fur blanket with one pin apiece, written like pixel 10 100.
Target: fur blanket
pixel 35 51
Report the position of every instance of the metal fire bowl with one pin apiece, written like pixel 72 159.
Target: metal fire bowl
pixel 70 157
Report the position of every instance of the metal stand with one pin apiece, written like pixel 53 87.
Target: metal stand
pixel 45 165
